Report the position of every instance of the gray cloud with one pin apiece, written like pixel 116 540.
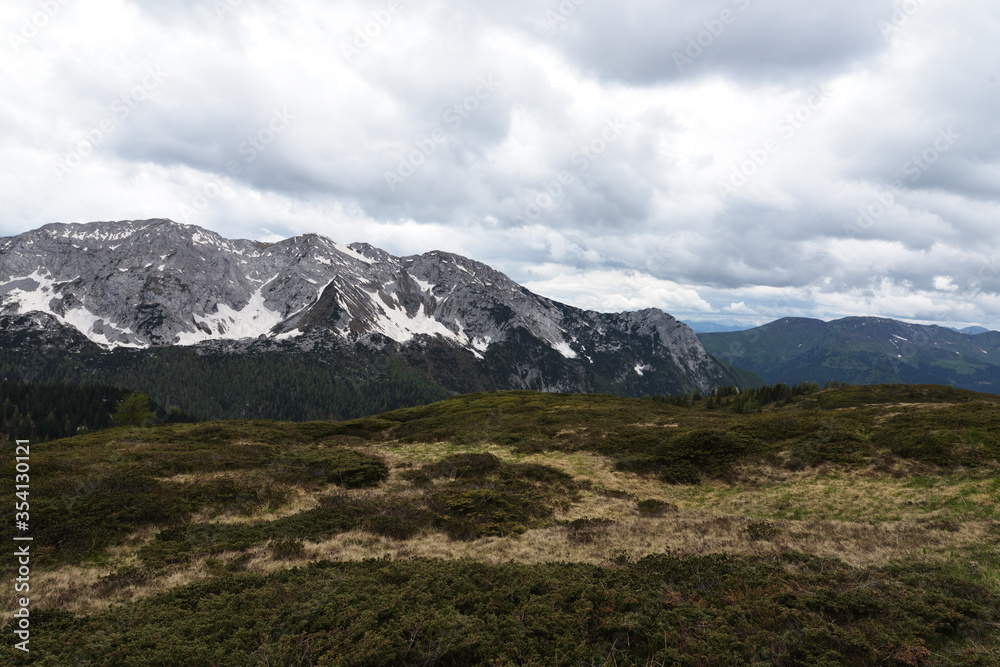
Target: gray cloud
pixel 651 42
pixel 590 164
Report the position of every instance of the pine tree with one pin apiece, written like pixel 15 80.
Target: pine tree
pixel 133 410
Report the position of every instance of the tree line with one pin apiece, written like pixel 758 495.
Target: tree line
pixel 283 386
pixel 41 412
pixel 49 411
pixel 751 399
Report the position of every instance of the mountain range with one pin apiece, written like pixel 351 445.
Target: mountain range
pixel 700 327
pixel 122 293
pixel 862 350
pixel 972 331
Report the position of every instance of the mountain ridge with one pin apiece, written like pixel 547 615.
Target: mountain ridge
pixel 862 350
pixel 156 283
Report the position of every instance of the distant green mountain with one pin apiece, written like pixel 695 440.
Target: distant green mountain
pixel 716 327
pixel 862 350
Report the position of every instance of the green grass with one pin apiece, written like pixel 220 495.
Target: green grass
pixel 715 610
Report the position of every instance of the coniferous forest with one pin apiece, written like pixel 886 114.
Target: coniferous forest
pixel 294 387
pixel 43 412
pixel 301 385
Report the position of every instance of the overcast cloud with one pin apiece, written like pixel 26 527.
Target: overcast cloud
pixel 720 159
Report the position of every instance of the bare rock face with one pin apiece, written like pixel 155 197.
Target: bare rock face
pixel 154 283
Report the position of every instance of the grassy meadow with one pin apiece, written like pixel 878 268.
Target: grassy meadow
pixel 850 525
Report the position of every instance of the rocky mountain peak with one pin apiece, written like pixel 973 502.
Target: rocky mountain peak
pixel 156 282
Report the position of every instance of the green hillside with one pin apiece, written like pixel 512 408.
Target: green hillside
pixel 851 525
pixel 862 350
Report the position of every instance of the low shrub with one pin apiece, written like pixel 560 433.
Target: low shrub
pixel 458 466
pixel 760 530
pixel 288 549
pixel 689 456
pixel 344 467
pixel 126 577
pixel 709 610
pixel 587 530
pixel 654 508
pixel 617 494
pixel 466 512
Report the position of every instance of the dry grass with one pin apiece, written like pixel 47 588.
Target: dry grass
pixel 863 517
pixel 652 425
pixel 629 538
pixel 860 545
pixel 204 477
pixel 861 495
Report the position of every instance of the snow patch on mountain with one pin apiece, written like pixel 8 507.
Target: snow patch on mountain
pixel 26 293
pixel 563 348
pixel 401 327
pixel 250 321
pixel 353 254
pixel 36 291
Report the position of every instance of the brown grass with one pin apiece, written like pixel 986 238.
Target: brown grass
pixel 866 517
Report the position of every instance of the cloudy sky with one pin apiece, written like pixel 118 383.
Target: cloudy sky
pixel 720 159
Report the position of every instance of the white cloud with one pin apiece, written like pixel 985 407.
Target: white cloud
pixel 739 309
pixel 630 219
pixel 614 290
pixel 944 284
